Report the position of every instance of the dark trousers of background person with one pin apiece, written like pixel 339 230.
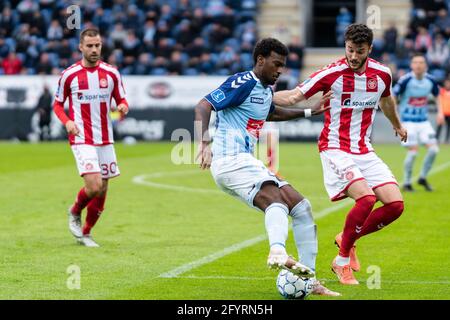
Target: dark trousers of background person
pixel 44 125
pixel 439 128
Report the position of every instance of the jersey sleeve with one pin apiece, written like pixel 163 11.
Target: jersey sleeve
pixel 119 91
pixel 232 92
pixel 387 78
pixel 400 87
pixel 63 89
pixel 435 87
pixel 315 83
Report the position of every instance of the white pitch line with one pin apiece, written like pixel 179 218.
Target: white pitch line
pixel 247 243
pixel 321 279
pixel 143 180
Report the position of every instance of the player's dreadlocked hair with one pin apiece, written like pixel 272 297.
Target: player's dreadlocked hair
pixel 265 46
pixel 359 33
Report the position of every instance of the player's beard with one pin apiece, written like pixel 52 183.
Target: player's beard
pixel 363 62
pixel 92 60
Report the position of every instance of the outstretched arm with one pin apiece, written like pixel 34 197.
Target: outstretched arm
pixel 389 108
pixel 286 98
pixel 202 116
pixel 283 114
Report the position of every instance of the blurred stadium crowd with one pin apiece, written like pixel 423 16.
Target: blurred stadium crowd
pixel 428 32
pixel 187 37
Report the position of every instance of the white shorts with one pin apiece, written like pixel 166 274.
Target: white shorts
pixel 341 169
pixel 242 176
pixel 419 133
pixel 96 159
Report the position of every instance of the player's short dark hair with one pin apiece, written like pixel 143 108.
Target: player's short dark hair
pixel 89 32
pixel 359 33
pixel 265 46
pixel 418 54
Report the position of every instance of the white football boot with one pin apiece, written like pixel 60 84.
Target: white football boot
pixel 75 224
pixel 87 241
pixel 279 259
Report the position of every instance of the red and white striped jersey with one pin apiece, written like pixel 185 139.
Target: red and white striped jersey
pixel 356 96
pixel 90 91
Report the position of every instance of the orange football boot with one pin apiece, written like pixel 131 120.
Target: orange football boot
pixel 344 273
pixel 354 262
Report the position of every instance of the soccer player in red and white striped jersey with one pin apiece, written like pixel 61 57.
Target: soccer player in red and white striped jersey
pixel 350 166
pixel 90 85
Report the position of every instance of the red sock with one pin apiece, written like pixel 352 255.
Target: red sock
pixel 80 202
pixel 94 210
pixel 354 222
pixel 381 217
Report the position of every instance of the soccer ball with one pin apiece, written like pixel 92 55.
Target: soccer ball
pixel 291 286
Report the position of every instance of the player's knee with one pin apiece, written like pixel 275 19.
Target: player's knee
pixel 367 202
pixel 433 148
pixel 396 209
pixel 94 189
pixel 302 212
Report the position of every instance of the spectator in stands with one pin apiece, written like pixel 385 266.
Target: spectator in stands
pixel 118 34
pixel 4 49
pixel 7 22
pixel 343 19
pixel 423 40
pixel 44 66
pixel 438 53
pixel 443 22
pixel 404 53
pixel 175 66
pixel 55 32
pixel 11 64
pixel 390 38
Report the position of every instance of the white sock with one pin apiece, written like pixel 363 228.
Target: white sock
pixel 342 261
pixel 277 224
pixel 305 233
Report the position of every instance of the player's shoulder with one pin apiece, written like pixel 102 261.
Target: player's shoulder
pixel 335 66
pixel 246 79
pixel 374 64
pixel 431 78
pixel 71 69
pixel 109 67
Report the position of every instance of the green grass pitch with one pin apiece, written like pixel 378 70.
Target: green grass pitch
pixel 154 228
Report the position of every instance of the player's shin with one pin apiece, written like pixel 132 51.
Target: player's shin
pixel 94 210
pixel 408 166
pixel 381 217
pixel 429 160
pixel 277 224
pixel 305 233
pixel 354 223
pixel 80 202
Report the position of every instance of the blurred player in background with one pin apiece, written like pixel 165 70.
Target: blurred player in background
pixel 350 166
pixel 413 90
pixel 243 103
pixel 90 85
pixel 444 101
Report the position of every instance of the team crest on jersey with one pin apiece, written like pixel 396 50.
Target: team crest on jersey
pixel 89 166
pixel 372 85
pixel 103 83
pixel 218 95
